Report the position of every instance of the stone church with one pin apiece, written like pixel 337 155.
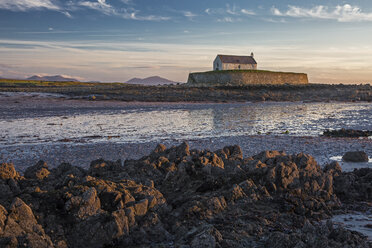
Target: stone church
pixel 233 62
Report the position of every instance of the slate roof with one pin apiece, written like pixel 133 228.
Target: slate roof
pixel 233 59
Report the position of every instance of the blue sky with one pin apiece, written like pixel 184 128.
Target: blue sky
pixel 115 40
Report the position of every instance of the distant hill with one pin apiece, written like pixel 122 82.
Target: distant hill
pixel 57 78
pixel 155 80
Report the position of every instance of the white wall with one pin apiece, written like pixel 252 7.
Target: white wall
pixel 217 64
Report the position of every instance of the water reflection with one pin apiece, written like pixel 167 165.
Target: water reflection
pixel 178 122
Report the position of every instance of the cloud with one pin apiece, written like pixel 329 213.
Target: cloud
pixel 127 1
pixel 126 13
pixel 281 20
pixel 247 12
pixel 131 14
pixel 24 5
pixel 28 5
pixel 189 14
pixel 229 11
pixel 232 11
pixel 100 5
pixel 345 13
pixel 67 14
pixel 229 20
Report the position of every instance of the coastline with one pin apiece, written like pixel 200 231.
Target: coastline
pixel 323 149
pixel 76 171
pixel 182 93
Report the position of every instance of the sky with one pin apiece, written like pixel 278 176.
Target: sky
pixel 115 40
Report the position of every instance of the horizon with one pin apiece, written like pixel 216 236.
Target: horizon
pixel 116 40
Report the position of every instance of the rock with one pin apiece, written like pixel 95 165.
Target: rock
pixel 354 186
pixel 101 167
pixel 3 216
pixel 179 197
pixel 22 229
pixel 347 133
pixel 356 156
pixel 141 207
pixel 7 171
pixel 333 167
pixel 38 171
pixel 84 205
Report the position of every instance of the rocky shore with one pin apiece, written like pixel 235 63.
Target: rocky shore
pixel 182 93
pixel 350 133
pixel 180 197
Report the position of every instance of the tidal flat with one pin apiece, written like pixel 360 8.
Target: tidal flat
pixel 256 174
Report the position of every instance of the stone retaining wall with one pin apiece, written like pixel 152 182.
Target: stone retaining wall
pixel 246 77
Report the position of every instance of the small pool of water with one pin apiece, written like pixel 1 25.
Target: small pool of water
pixel 360 222
pixel 350 166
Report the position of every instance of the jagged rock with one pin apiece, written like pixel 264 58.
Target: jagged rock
pixel 354 186
pixel 84 205
pixel 140 207
pixel 21 228
pixel 7 171
pixel 38 171
pixel 347 133
pixel 357 156
pixel 179 197
pixel 333 167
pixel 101 167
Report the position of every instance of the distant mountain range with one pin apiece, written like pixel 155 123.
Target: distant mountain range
pixel 155 80
pixel 57 78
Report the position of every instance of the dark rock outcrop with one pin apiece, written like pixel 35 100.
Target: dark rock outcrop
pixel 179 197
pixel 355 156
pixel 350 133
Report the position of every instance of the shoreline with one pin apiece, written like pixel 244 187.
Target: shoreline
pixel 81 154
pixel 172 93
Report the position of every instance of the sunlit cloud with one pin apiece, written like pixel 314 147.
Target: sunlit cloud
pixel 230 14
pixel 30 5
pixel 67 8
pixel 189 14
pixel 99 5
pixel 345 13
pixel 228 20
pixel 24 5
pixel 125 13
pixel 247 12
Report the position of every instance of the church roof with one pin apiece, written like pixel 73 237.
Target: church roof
pixel 233 59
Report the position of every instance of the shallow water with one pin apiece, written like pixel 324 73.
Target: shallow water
pixel 178 122
pixel 356 221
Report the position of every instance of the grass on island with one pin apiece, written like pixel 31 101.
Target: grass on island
pixel 33 83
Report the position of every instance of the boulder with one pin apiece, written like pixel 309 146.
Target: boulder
pixel 7 171
pixel 22 229
pixel 38 171
pixel 355 156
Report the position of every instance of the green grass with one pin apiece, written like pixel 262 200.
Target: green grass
pixel 31 83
